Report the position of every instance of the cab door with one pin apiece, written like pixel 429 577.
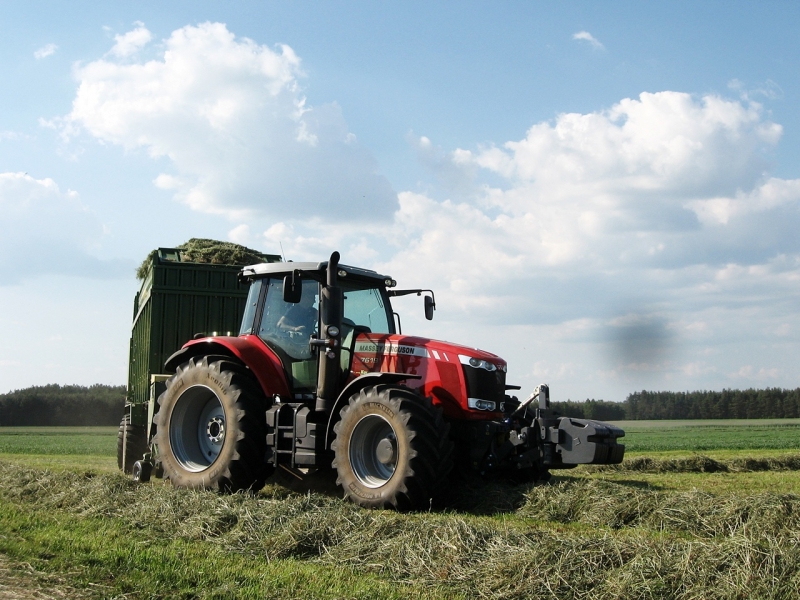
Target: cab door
pixel 287 328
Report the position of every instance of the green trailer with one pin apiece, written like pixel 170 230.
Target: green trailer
pixel 178 300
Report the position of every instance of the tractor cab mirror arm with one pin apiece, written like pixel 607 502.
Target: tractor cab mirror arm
pixel 430 301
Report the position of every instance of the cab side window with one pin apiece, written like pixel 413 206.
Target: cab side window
pixel 366 308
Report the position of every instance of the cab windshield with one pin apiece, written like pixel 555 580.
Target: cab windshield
pixel 289 326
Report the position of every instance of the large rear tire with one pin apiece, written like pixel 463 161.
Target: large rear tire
pixel 211 427
pixel 131 444
pixel 391 449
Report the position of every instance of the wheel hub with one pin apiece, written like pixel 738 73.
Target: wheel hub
pixel 216 430
pixel 385 451
pixel 373 451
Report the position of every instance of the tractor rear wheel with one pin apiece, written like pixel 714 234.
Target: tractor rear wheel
pixel 131 444
pixel 211 427
pixel 391 449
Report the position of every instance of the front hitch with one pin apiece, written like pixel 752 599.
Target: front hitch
pixel 563 441
pixel 567 442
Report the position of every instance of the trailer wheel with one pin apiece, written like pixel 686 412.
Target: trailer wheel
pixel 211 427
pixel 131 444
pixel 391 449
pixel 141 471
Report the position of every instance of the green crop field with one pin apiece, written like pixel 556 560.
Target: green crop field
pixel 703 509
pixel 98 441
pixel 60 448
pixel 703 436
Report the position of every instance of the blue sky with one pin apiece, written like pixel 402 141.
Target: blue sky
pixel 605 194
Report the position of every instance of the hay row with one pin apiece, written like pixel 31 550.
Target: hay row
pixel 572 540
pixel 705 464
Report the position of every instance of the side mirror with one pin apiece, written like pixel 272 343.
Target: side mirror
pixel 292 289
pixel 430 306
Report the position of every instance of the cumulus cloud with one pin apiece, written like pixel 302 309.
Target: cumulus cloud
pixel 45 230
pixel 588 37
pixel 45 51
pixel 644 234
pixel 632 183
pixel 131 42
pixel 230 117
pixel 653 224
pixel 767 90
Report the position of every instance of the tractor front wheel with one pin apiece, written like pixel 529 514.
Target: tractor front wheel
pixel 391 449
pixel 211 427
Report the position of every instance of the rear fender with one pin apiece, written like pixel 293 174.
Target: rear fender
pixel 247 349
pixel 354 387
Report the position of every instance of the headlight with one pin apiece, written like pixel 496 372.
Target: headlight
pixel 480 404
pixel 476 363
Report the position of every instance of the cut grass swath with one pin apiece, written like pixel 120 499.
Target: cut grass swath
pixel 575 539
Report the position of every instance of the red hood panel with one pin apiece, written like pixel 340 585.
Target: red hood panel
pixel 418 346
pixel 436 362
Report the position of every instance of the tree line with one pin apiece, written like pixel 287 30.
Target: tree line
pixel 55 404
pixel 98 404
pixel 769 403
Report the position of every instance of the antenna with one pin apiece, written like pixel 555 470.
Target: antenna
pixel 282 253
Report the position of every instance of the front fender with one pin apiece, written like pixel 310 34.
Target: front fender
pixel 248 349
pixel 355 386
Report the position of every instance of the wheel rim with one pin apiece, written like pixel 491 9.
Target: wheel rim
pixel 373 451
pixel 197 428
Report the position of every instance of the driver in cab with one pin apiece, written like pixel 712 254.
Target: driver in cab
pixel 300 318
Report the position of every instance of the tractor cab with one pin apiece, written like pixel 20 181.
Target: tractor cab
pixel 285 309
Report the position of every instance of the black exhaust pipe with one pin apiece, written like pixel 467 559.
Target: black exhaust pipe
pixel 331 305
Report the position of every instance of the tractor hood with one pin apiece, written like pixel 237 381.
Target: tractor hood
pixel 468 383
pixel 405 345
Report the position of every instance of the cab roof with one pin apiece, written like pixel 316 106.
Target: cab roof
pixel 285 268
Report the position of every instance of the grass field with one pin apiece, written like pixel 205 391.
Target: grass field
pixel 704 436
pixel 703 509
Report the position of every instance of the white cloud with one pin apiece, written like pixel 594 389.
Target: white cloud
pixel 651 223
pixel 773 194
pixel 45 51
pixel 240 234
pixel 615 246
pixel 632 184
pixel 588 37
pixel 47 231
pixel 768 89
pixel 230 117
pixel 131 42
pixel 747 372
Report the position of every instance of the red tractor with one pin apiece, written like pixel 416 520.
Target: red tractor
pixel 320 377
